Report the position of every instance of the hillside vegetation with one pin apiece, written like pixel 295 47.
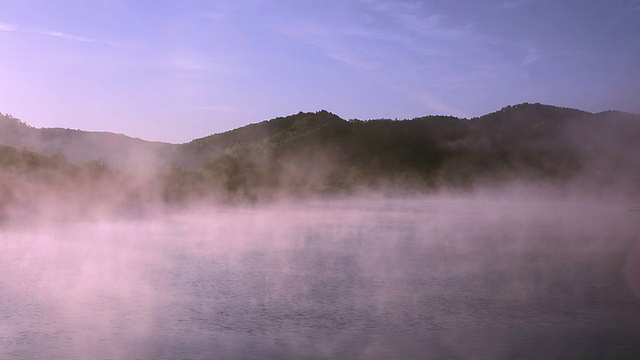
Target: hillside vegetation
pixel 322 153
pixel 314 154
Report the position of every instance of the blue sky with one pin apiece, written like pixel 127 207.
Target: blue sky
pixel 178 70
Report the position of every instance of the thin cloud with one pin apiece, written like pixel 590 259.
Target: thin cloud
pixel 62 35
pixel 333 42
pixel 199 63
pixel 510 4
pixel 358 43
pixel 7 27
pixel 353 45
pixel 353 62
pixel 396 36
pixel 217 108
pixel 414 18
pixel 531 57
pixel 188 64
pixel 387 6
pixel 183 59
pixel 386 35
pixel 219 15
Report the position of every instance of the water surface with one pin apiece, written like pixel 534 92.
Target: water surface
pixel 356 279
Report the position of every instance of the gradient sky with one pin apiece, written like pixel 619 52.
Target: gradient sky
pixel 178 70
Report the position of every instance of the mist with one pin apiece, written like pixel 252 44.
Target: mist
pixel 313 237
pixel 358 277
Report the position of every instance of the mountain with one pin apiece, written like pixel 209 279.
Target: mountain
pixel 82 146
pixel 320 153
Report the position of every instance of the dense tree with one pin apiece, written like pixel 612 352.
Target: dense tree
pixel 320 153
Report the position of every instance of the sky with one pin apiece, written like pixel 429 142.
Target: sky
pixel 178 70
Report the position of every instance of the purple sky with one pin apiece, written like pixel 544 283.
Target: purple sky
pixel 178 70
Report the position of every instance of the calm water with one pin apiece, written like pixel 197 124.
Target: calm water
pixel 374 279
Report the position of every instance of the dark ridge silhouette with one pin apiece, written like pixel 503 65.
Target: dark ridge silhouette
pixel 310 154
pixel 322 153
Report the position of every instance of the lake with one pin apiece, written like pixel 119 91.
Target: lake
pixel 377 278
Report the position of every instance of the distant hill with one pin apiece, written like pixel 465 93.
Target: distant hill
pixel 81 146
pixel 321 153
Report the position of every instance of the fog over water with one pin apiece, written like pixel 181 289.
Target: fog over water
pixel 355 278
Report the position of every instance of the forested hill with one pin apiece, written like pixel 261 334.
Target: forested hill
pixel 80 146
pixel 321 153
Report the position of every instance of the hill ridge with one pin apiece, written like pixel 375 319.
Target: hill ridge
pixel 320 153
